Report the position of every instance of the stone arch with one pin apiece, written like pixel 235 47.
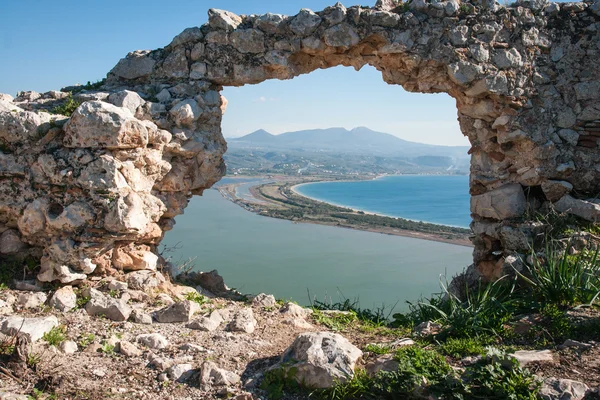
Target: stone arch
pixel 525 80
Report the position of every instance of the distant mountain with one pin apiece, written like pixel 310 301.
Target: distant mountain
pixel 339 140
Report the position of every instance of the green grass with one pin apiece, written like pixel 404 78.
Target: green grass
pixel 334 321
pixel 377 349
pixel 86 340
pixel 463 347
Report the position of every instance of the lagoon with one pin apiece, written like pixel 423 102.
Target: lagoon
pixel 438 199
pixel 260 254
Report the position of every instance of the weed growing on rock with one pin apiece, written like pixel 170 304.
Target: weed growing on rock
pixel 68 107
pixel 196 298
pixel 86 340
pixel 108 348
pixel 55 336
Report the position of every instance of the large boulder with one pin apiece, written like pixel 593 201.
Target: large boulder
pixel 321 359
pixel 96 124
pixel 505 202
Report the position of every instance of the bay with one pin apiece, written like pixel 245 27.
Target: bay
pixel 439 199
pixel 260 254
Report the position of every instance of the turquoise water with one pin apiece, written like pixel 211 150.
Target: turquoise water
pixel 261 254
pixel 429 198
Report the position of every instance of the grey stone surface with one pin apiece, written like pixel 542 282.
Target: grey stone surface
pixel 321 359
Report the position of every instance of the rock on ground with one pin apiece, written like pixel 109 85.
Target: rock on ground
pixel 30 328
pixel 562 389
pixel 99 304
pixel 322 359
pixel 153 340
pixel 177 312
pixel 243 321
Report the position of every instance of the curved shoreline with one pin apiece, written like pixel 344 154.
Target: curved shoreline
pixel 293 189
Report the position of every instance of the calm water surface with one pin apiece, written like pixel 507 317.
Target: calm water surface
pixel 260 254
pixel 429 198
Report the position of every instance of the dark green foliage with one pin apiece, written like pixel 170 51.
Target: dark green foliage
pixel 484 310
pixel 278 380
pixel 68 107
pixel 558 278
pixel 495 376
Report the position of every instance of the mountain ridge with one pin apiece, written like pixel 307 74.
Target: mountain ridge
pixel 360 140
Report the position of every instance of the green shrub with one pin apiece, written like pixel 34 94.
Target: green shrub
pixel 378 316
pixel 68 107
pixel 484 310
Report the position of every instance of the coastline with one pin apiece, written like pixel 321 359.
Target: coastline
pixel 268 205
pixel 294 189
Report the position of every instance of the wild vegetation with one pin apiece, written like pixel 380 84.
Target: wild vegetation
pixel 558 290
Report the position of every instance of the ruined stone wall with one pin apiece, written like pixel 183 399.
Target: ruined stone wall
pixel 94 193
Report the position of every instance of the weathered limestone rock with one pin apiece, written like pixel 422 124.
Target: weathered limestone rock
pixel 211 375
pixel 502 203
pixel 560 389
pixel 584 209
pixel 153 340
pixel 32 299
pixel 321 359
pixel 207 324
pixel 99 304
pixel 30 328
pixel 10 242
pixel 64 299
pixel 528 356
pixel 177 312
pixel 69 347
pixel 96 124
pixel 128 349
pixel 243 321
pixel 264 300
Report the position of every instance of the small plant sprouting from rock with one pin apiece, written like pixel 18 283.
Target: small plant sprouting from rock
pixel 68 107
pixel 196 298
pixel 86 340
pixel 55 336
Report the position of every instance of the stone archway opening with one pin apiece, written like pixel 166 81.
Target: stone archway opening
pixel 254 259
pixel 525 85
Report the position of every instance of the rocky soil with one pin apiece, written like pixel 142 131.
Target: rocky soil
pixel 109 341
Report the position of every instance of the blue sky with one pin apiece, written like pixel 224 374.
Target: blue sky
pixel 50 44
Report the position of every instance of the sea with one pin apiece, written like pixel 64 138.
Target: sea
pixel 438 199
pixel 306 262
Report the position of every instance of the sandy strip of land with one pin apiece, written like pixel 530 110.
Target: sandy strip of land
pixel 229 192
